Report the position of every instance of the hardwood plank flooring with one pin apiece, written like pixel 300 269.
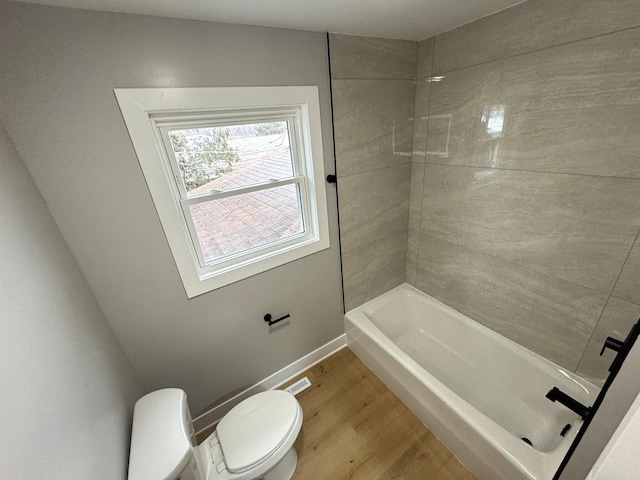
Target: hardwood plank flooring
pixel 355 428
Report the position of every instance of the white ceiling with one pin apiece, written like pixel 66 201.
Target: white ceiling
pixel 408 19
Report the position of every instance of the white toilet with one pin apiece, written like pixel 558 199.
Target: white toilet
pixel 253 441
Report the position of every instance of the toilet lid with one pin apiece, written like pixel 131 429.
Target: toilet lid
pixel 256 427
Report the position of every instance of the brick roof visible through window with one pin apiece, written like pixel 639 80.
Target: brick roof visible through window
pixel 234 224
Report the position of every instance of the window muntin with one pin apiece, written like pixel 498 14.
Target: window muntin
pixel 227 227
pixel 151 113
pixel 230 173
pixel 204 155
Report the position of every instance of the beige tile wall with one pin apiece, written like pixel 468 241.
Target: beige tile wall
pixel 373 87
pixel 516 198
pixel 529 26
pixel 526 208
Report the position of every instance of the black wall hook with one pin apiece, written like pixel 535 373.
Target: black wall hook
pixel 267 318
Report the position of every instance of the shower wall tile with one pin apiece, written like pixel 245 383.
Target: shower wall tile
pixel 421 120
pixel 413 244
pixel 628 285
pixel 373 91
pixel 425 57
pixel 368 57
pixel 374 268
pixel 415 196
pixel 568 109
pixel 616 321
pixel 525 188
pixel 574 228
pixel 552 317
pixel 373 205
pixel 531 25
pixel 373 123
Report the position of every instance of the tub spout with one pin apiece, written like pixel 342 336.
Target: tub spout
pixel 555 394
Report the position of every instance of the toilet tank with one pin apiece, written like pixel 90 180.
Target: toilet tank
pixel 162 439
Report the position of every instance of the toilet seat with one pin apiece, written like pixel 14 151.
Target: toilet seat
pixel 256 428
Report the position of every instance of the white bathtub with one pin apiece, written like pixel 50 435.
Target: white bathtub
pixel 479 392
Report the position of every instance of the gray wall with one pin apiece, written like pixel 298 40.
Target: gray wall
pixel 373 100
pixel 527 201
pixel 67 390
pixel 58 70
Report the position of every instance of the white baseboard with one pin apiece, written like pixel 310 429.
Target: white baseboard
pixel 213 416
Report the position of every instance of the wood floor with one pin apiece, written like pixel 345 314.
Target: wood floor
pixel 355 428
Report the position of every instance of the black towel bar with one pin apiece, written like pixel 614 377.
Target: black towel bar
pixel 267 318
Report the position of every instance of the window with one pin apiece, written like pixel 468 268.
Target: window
pixel 236 175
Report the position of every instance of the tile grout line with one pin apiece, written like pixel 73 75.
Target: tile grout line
pixel 378 79
pixel 377 239
pixel 541 49
pixel 474 20
pixel 547 172
pixel 424 173
pixel 526 267
pixel 376 169
pixel 635 240
pixel 413 137
pixel 541 172
pixel 539 273
pixel 623 264
pixel 571 42
pixel 593 331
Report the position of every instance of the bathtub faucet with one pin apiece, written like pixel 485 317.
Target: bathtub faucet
pixel 555 394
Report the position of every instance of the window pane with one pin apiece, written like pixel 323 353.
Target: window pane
pixel 222 158
pixel 234 224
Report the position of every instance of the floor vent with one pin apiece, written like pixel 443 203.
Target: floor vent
pixel 299 386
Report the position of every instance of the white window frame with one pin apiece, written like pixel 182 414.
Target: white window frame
pixel 150 112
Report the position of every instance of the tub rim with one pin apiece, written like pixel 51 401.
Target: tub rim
pixel 535 464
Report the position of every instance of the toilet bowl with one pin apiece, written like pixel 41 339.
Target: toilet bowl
pixel 253 441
